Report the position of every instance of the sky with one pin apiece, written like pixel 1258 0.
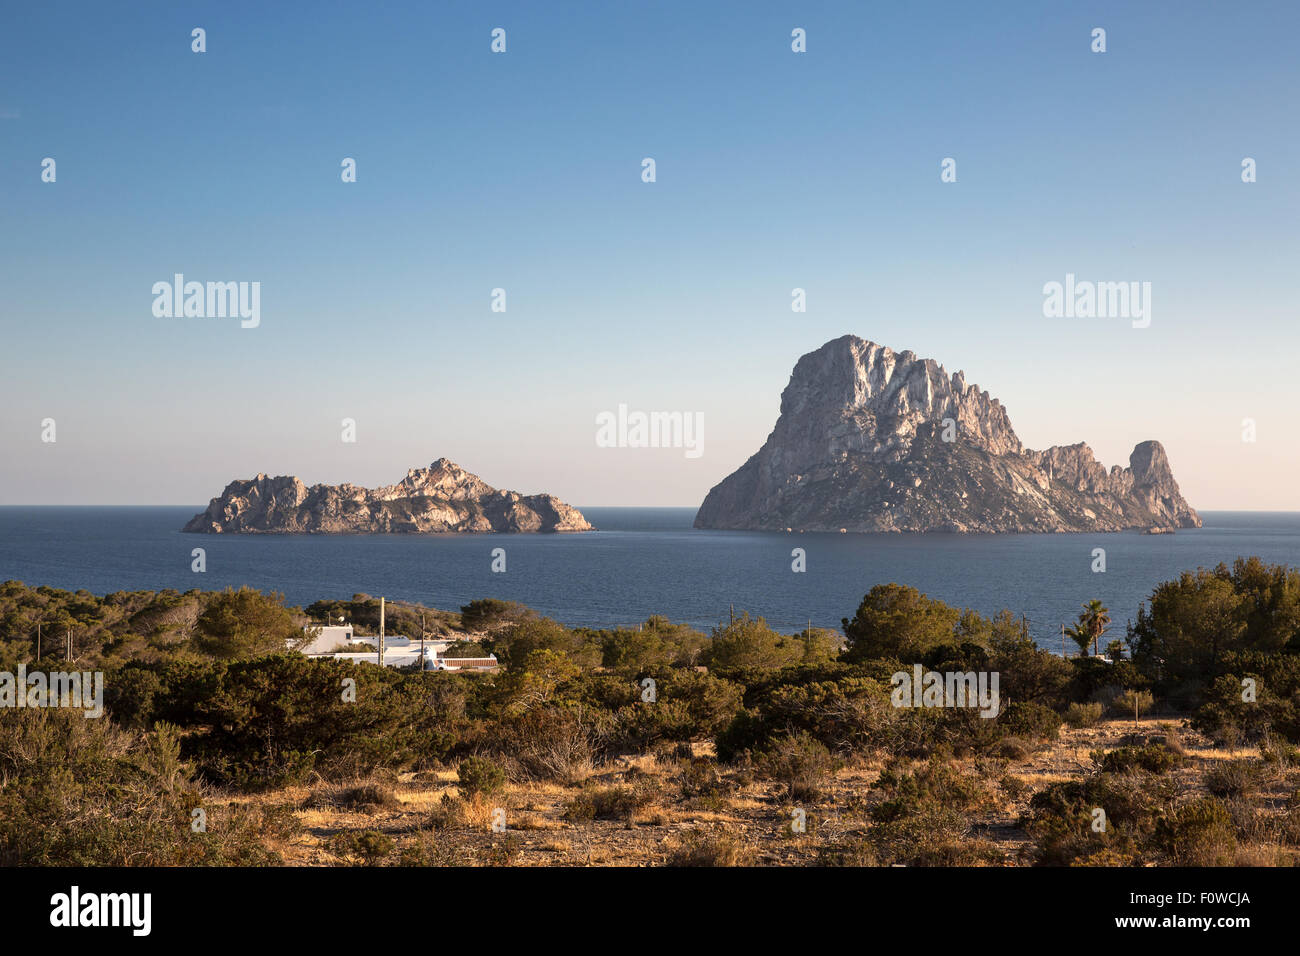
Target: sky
pixel 522 171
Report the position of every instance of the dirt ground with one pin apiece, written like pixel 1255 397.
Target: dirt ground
pixel 421 819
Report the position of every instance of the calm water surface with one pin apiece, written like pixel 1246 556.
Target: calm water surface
pixel 642 561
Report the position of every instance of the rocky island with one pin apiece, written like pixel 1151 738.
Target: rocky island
pixel 869 439
pixel 443 498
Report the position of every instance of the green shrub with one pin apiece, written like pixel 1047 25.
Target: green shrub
pixel 1063 821
pixel 608 803
pixel 78 792
pixel 1198 833
pixel 922 819
pixel 1153 758
pixel 368 848
pixel 1083 715
pixel 701 778
pixel 362 796
pixel 480 775
pixel 801 763
pixel 909 790
pixel 1034 721
pixel 1132 701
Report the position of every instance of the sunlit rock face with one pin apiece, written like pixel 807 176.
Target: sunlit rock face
pixel 443 498
pixel 870 439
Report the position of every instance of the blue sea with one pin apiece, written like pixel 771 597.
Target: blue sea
pixel 642 561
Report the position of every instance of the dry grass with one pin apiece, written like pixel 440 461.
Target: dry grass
pixel 709 815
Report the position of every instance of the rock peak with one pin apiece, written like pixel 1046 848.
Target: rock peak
pixel 869 439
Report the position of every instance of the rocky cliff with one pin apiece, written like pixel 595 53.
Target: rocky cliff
pixel 869 439
pixel 441 498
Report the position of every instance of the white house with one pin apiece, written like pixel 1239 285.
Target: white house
pixel 328 639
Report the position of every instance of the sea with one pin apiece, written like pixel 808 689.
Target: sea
pixel 641 561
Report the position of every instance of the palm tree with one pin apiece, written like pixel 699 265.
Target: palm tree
pixel 1095 619
pixel 1081 636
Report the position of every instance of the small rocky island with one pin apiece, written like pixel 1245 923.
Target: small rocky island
pixel 869 439
pixel 440 499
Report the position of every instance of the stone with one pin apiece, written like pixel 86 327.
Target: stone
pixel 869 439
pixel 440 499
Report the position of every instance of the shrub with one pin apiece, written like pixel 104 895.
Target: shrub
pixel 1153 758
pixel 1234 778
pixel 480 775
pixel 1132 701
pixel 855 853
pixel 909 790
pixel 269 722
pixel 246 624
pixel 1063 822
pixel 369 847
pixel 428 849
pixel 1172 739
pixel 1035 721
pixel 488 614
pixel 1198 833
pixel 608 803
pixel 78 792
pixel 363 796
pixel 1083 715
pixel 922 819
pixel 1277 751
pixel 450 812
pixel 700 778
pixel 1287 826
pixel 1013 748
pixel 697 848
pixel 802 763
pixel 548 743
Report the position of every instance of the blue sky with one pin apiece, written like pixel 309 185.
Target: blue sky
pixel 522 171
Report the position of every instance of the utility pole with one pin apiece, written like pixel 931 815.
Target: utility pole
pixel 1062 641
pixel 69 643
pixel 38 640
pixel 421 640
pixel 381 632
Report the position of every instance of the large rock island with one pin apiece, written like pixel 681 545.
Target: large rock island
pixel 869 439
pixel 443 498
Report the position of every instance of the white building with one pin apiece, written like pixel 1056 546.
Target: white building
pixel 328 639
pixel 403 652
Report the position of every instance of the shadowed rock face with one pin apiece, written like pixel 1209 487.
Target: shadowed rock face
pixel 443 498
pixel 860 445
